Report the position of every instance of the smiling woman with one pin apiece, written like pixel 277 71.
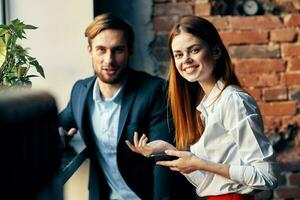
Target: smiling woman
pixel 219 123
pixel 193 58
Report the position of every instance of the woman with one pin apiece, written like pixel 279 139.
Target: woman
pixel 229 157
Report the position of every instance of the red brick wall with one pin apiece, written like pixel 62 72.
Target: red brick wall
pixel 265 51
pixel 266 54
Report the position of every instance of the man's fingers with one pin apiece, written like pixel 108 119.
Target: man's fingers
pixel 72 132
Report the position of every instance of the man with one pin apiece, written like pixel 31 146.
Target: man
pixel 109 107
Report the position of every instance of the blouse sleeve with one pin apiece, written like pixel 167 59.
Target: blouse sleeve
pixel 258 167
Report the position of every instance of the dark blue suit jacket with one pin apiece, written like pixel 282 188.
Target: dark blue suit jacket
pixel 144 110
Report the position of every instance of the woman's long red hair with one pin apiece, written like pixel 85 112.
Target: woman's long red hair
pixel 183 95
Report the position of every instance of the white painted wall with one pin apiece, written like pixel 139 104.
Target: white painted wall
pixel 59 43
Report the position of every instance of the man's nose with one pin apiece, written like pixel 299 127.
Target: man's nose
pixel 108 57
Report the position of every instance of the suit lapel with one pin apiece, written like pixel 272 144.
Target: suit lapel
pixel 84 91
pixel 128 97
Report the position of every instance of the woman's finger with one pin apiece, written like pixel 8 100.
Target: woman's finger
pixel 166 163
pixel 141 140
pixel 132 147
pixel 144 142
pixel 174 168
pixel 136 139
pixel 173 153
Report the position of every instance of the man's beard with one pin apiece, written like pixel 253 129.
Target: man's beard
pixel 117 78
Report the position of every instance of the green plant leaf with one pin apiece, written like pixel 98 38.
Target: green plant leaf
pixel 15 60
pixel 3 31
pixel 28 26
pixel 40 70
pixel 3 26
pixel 2 52
pixel 30 76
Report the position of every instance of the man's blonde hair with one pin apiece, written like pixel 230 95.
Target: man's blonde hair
pixel 109 21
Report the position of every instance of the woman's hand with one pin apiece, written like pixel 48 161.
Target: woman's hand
pixel 146 149
pixel 187 162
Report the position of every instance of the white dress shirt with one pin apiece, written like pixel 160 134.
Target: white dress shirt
pixel 233 135
pixel 105 121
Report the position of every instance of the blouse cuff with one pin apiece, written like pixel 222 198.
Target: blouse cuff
pixel 196 177
pixel 236 173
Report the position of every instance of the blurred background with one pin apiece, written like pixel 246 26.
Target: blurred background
pixel 262 37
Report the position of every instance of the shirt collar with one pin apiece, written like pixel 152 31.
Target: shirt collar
pixel 97 93
pixel 210 99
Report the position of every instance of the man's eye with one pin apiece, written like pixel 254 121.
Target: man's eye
pixel 101 50
pixel 120 50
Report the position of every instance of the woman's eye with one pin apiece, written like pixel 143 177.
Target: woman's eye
pixel 196 50
pixel 178 55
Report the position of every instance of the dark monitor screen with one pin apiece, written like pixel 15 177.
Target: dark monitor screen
pixel 30 143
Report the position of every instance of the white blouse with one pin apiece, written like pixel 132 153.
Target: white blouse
pixel 233 135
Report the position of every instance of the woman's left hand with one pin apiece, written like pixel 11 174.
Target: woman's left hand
pixel 187 162
pixel 146 149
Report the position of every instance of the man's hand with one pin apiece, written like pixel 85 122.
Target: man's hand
pixel 66 136
pixel 146 149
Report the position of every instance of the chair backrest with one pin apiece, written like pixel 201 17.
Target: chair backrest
pixel 30 146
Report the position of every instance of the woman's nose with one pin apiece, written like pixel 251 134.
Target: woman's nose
pixel 188 59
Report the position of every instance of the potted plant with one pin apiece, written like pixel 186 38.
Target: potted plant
pixel 15 60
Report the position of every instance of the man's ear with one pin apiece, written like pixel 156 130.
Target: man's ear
pixel 217 51
pixel 89 49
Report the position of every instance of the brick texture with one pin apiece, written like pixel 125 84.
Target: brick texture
pixel 292 79
pixel 203 9
pixel 278 108
pixel 173 9
pixel 292 20
pixel 244 37
pixel 163 24
pixel 293 64
pixel 271 94
pixel 290 50
pixel 255 51
pixel 257 22
pixel 287 193
pixel 259 65
pixel 294 179
pixel 294 93
pixel 283 35
pixel 256 93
